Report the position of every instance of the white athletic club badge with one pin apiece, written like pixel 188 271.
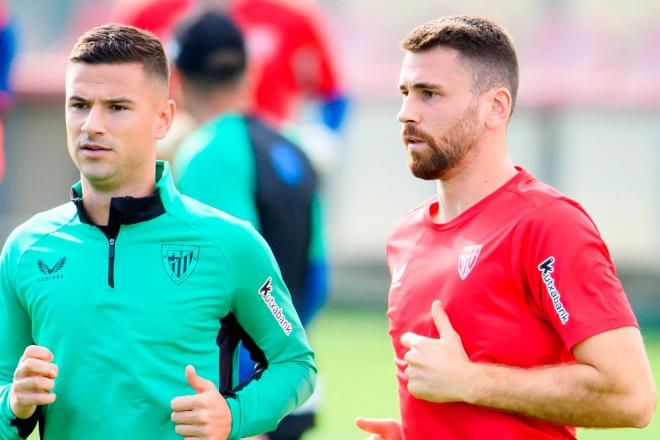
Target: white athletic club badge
pixel 179 261
pixel 468 260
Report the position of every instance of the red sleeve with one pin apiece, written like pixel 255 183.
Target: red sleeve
pixel 569 273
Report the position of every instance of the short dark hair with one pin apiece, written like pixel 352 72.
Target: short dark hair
pixel 118 43
pixel 486 46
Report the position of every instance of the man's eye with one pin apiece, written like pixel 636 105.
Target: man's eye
pixel 404 92
pixel 78 105
pixel 117 107
pixel 428 94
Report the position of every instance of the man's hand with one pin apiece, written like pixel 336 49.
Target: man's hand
pixel 34 379
pixel 438 369
pixel 202 416
pixel 383 429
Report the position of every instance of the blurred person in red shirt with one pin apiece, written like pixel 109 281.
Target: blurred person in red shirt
pixel 289 60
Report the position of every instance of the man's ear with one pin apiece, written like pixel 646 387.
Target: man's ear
pixel 498 107
pixel 165 117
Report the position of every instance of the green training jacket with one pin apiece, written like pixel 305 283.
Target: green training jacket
pixel 124 309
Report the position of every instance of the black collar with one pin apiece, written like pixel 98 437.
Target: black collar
pixel 123 211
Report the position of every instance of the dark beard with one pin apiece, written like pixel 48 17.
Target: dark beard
pixel 435 165
pixel 446 153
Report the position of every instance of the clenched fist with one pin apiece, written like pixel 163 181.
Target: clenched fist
pixel 34 379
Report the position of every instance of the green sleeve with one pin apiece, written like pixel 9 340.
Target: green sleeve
pixel 317 246
pixel 263 307
pixel 15 336
pixel 216 166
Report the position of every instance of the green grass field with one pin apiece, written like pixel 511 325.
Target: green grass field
pixel 357 373
pixel 355 360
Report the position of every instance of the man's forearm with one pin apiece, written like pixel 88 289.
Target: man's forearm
pixel 281 388
pixel 569 394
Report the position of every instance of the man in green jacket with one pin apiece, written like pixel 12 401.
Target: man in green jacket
pixel 121 311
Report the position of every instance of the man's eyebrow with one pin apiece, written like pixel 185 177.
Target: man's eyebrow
pixel 427 86
pixel 422 86
pixel 118 100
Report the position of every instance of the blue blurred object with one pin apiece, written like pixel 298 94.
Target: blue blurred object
pixel 286 163
pixel 315 292
pixel 333 112
pixel 7 52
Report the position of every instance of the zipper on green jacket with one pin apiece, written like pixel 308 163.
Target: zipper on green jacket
pixel 111 232
pixel 111 262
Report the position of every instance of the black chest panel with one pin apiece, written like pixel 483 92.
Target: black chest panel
pixel 286 184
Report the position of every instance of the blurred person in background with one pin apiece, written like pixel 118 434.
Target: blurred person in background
pixel 505 311
pixel 116 307
pixel 7 50
pixel 290 63
pixel 238 163
pixel 288 43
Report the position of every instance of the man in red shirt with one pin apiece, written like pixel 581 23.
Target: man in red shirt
pixel 506 315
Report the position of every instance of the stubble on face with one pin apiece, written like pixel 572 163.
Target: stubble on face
pixel 446 153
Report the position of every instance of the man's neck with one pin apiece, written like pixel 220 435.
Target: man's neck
pixel 479 176
pixel 220 102
pixel 97 201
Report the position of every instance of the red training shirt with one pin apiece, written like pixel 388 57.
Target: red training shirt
pixel 523 276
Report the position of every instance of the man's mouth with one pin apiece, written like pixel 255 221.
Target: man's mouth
pixel 90 146
pixel 412 137
pixel 413 140
pixel 413 143
pixel 93 150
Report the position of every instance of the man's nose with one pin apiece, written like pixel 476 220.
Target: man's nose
pixel 94 124
pixel 409 112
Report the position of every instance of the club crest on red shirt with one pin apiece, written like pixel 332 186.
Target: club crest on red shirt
pixel 468 259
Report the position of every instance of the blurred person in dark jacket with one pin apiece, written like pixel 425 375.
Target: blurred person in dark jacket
pixel 238 163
